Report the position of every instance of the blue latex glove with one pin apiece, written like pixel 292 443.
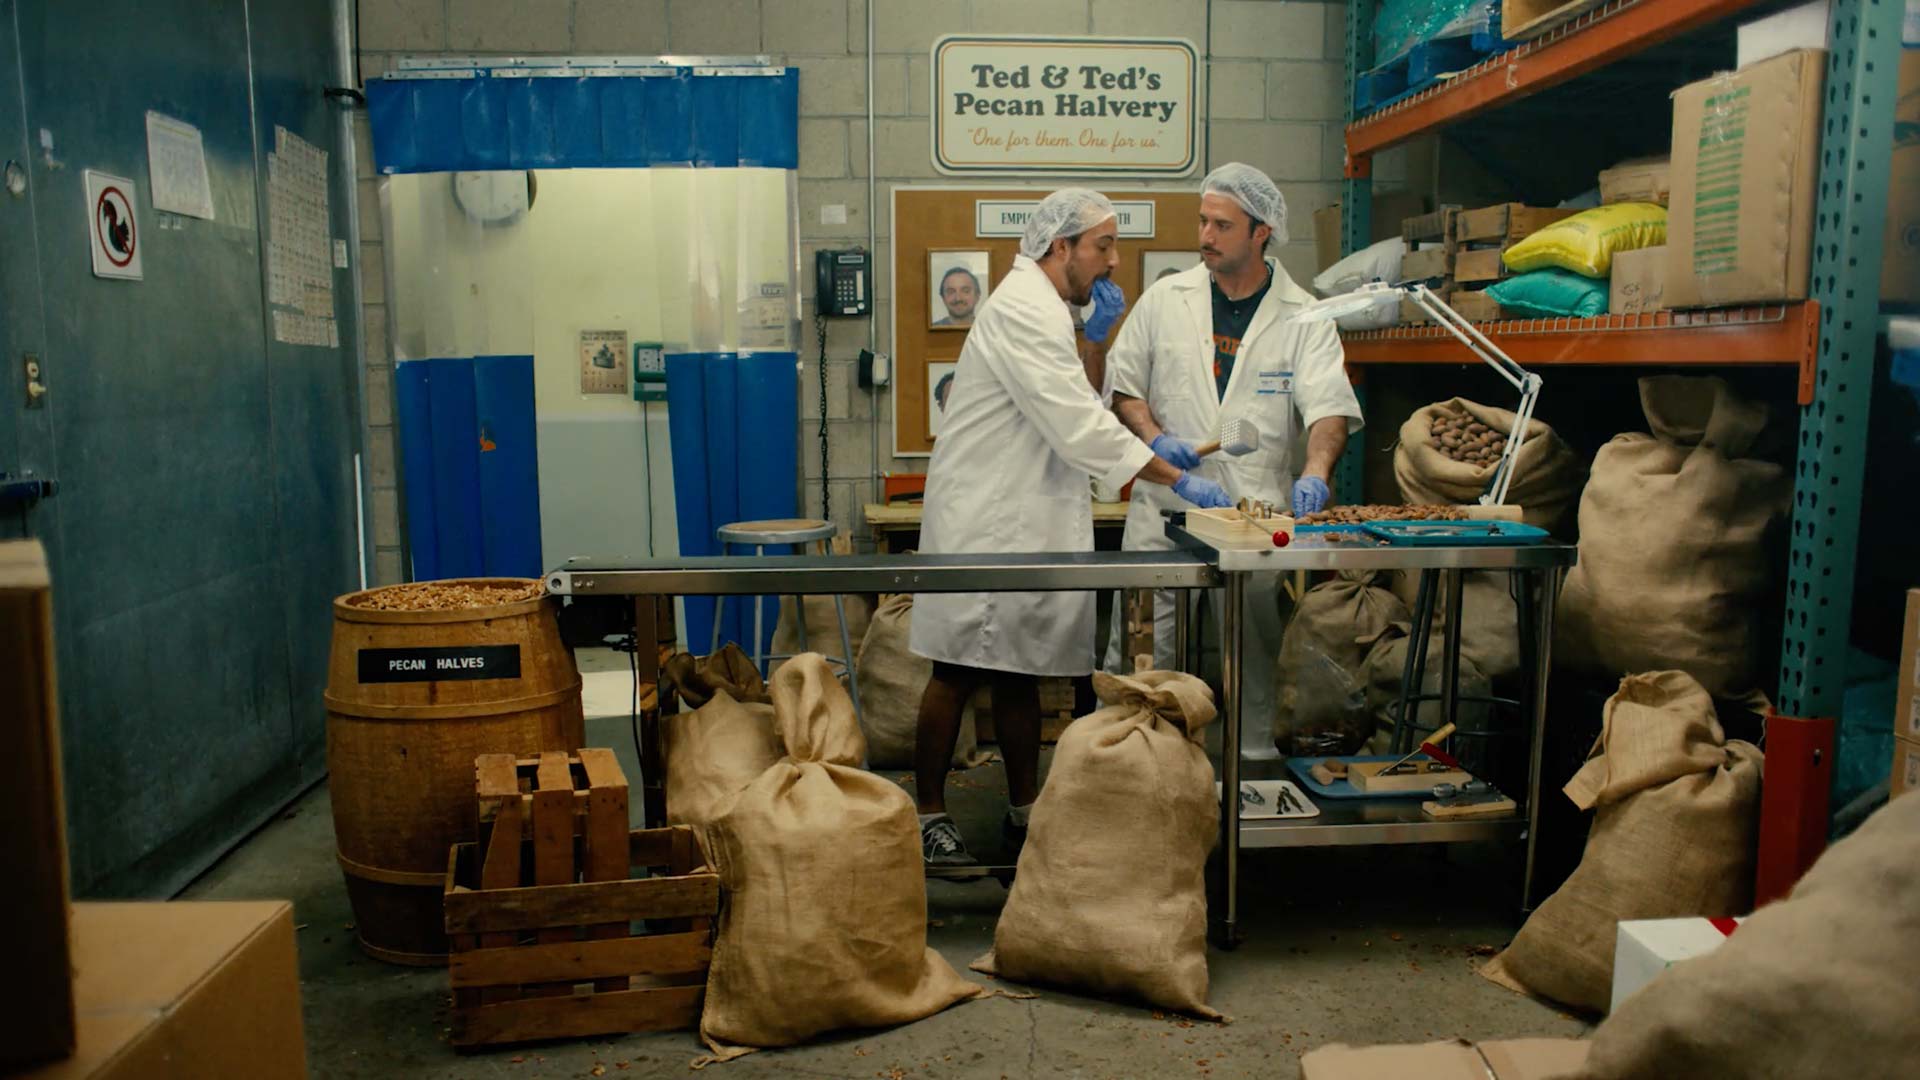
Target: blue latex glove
pixel 1175 452
pixel 1109 300
pixel 1310 496
pixel 1201 492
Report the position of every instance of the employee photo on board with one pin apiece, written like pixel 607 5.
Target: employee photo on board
pixel 958 283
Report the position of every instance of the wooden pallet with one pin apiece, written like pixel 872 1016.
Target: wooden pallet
pixel 540 913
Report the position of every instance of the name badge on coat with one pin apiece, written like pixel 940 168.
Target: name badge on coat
pixel 1274 382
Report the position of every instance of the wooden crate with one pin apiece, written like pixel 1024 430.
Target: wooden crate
pixel 1435 225
pixel 1477 306
pixel 1470 267
pixel 540 914
pixel 1505 224
pixel 1521 20
pixel 1428 264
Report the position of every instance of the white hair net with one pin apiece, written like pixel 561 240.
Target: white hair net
pixel 1256 194
pixel 1067 212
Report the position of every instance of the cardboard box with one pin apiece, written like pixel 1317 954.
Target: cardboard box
pixel 1523 19
pixel 1746 152
pixel 1647 179
pixel 1643 948
pixel 1906 694
pixel 1506 1059
pixel 1638 283
pixel 1477 306
pixel 1390 208
pixel 1426 264
pixel 1906 767
pixel 1505 224
pixel 1804 26
pixel 33 844
pixel 1483 264
pixel 184 991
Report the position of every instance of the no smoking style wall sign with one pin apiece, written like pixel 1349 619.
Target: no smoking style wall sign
pixel 113 231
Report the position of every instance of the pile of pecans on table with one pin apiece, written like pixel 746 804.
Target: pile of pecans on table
pixel 446 595
pixel 1464 439
pixel 1355 515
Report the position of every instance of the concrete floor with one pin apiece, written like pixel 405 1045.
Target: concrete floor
pixel 1358 946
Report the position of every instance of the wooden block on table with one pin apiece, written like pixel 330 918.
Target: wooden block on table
pixel 1433 809
pixel 1366 776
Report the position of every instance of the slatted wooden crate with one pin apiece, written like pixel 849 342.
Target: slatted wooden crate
pixel 541 913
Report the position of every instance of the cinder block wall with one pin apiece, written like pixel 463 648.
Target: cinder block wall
pixel 1276 103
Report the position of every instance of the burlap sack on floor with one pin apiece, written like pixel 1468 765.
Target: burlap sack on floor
pixel 824 925
pixel 1319 678
pixel 1546 476
pixel 822 623
pixel 723 744
pixel 1820 984
pixel 892 679
pixel 1676 818
pixel 1490 628
pixel 1110 895
pixel 1385 671
pixel 1673 563
pixel 697 678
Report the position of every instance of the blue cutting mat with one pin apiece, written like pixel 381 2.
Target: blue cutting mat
pixel 1456 533
pixel 1302 769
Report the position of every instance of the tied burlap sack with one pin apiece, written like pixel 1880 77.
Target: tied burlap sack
pixel 1820 984
pixel 892 679
pixel 1673 562
pixel 697 679
pixel 1546 475
pixel 1319 678
pixel 1490 623
pixel 1110 895
pixel 1676 817
pixel 825 921
pixel 1385 672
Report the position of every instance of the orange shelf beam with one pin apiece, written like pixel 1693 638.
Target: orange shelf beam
pixel 1785 335
pixel 1609 32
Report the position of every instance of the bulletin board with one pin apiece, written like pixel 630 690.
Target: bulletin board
pixel 943 219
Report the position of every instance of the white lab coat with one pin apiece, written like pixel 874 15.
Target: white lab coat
pixel 1287 376
pixel 1023 432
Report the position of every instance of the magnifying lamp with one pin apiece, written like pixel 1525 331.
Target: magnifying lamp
pixel 1379 294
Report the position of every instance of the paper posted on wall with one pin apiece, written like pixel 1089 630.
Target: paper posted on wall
pixel 177 165
pixel 299 249
pixel 603 362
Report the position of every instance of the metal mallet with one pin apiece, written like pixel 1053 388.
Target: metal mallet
pixel 1236 437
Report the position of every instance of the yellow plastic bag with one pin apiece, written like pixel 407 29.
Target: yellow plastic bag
pixel 1585 242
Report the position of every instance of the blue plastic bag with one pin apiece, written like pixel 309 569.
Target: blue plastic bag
pixel 1399 25
pixel 1550 293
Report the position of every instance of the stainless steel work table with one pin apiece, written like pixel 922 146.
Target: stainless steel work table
pixel 1195 564
pixel 1368 821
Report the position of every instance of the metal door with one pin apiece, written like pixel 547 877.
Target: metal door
pixel 205 511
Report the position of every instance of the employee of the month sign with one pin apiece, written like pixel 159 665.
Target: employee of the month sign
pixel 440 663
pixel 1063 105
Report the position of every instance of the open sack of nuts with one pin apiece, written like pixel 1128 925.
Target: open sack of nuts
pixel 1448 451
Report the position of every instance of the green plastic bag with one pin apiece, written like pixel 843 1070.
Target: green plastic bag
pixel 1546 293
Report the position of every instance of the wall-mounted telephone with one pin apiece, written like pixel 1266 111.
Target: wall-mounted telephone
pixel 843 283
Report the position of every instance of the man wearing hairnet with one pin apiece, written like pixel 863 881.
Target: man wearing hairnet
pixel 1216 343
pixel 1025 427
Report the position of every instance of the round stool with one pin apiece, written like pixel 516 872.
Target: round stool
pixel 795 531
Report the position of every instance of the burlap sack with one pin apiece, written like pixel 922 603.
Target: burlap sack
pixel 697 679
pixel 1820 984
pixel 825 921
pixel 1319 678
pixel 1676 818
pixel 1384 673
pixel 1490 628
pixel 1673 564
pixel 892 679
pixel 1110 896
pixel 1546 476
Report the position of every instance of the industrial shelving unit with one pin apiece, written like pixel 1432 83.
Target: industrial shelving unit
pixel 1829 338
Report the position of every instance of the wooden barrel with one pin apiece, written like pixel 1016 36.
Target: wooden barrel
pixel 413 696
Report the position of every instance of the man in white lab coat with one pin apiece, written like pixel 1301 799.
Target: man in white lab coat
pixel 1025 427
pixel 1219 342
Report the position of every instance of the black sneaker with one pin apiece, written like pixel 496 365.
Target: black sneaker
pixel 1015 835
pixel 941 845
